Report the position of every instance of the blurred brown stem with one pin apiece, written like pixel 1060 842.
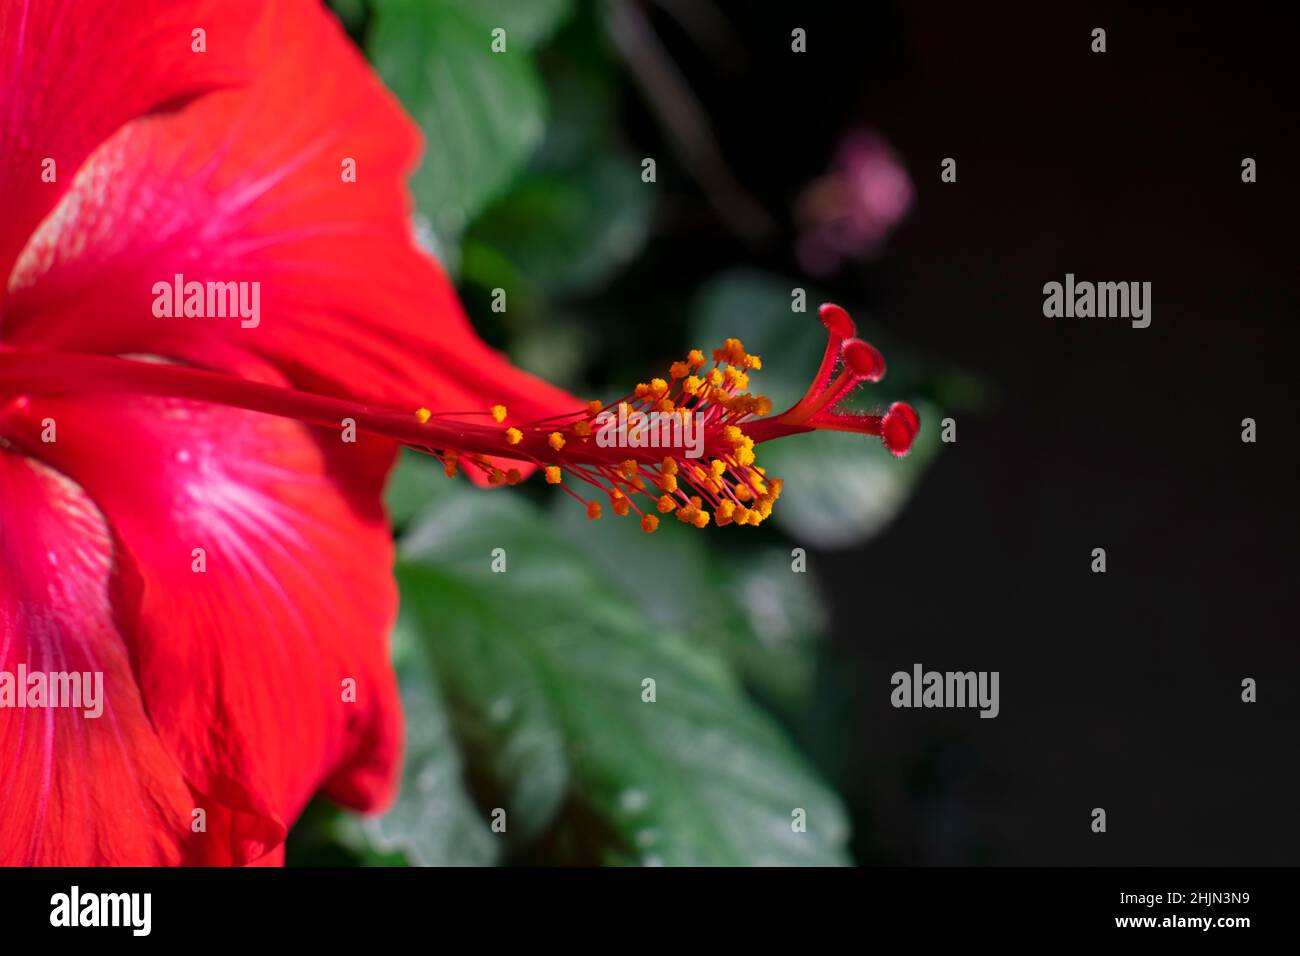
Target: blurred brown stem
pixel 687 122
pixel 708 27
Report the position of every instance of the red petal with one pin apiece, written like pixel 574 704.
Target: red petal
pixel 73 71
pixel 274 858
pixel 247 186
pixel 79 790
pixel 242 667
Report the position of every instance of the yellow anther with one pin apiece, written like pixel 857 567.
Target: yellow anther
pixel 642 390
pixel 637 482
pixel 628 467
pixel 724 512
pixel 422 415
pixel 714 377
pixel 658 388
pixel 763 405
pixel 745 456
pixel 753 362
pixel 582 429
pixel 679 369
pixel 668 483
pixel 620 503
pixel 733 435
pixel 498 412
pixel 649 523
pixel 719 468
pixel 514 436
pixel 555 440
pixel 449 468
pixel 695 357
pixel 692 385
pixel 732 352
pixel 665 504
pixel 666 406
pixel 553 474
pixel 670 466
pixel 736 379
pixel 701 519
pixel 593 510
pixel 744 493
pixel 741 515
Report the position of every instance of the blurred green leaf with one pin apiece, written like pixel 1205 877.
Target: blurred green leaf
pixel 565 231
pixel 581 212
pixel 774 623
pixel 434 822
pixel 414 483
pixel 541 668
pixel 482 112
pixel 556 349
pixel 528 22
pixel 748 605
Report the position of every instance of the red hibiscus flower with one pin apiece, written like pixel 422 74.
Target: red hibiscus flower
pixel 214 330
pixel 226 571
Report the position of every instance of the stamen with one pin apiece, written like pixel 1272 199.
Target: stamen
pixel 685 445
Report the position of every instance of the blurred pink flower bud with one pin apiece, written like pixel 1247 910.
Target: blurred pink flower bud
pixel 848 212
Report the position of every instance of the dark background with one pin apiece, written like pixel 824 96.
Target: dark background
pixel 1119 690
